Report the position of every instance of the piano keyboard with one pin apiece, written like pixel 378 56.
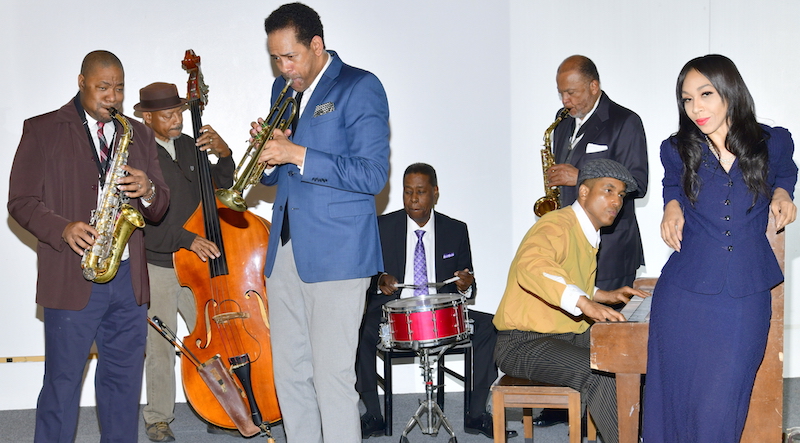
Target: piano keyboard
pixel 638 309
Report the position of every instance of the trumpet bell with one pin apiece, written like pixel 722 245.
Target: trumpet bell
pixel 232 199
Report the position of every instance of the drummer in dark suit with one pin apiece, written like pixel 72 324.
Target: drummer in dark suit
pixel 445 253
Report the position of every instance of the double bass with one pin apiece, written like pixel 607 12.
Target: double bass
pixel 230 293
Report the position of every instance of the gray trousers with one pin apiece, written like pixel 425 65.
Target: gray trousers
pixel 314 329
pixel 562 359
pixel 167 298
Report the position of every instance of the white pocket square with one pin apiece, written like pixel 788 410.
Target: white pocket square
pixel 591 148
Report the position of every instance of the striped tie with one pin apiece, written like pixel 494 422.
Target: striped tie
pixel 103 144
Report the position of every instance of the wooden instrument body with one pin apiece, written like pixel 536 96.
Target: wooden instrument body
pixel 230 292
pixel 242 290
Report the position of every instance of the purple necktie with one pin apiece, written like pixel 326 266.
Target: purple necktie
pixel 420 266
pixel 103 144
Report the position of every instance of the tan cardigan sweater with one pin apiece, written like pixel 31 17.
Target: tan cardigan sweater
pixel 556 246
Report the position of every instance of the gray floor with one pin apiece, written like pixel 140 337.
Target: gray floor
pixel 17 426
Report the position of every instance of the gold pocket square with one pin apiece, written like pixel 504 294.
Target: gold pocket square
pixel 324 109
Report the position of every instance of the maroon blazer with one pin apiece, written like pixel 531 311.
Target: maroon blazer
pixel 54 181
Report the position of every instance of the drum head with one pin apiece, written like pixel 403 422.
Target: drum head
pixel 423 302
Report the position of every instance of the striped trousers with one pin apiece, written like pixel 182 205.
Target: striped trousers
pixel 562 359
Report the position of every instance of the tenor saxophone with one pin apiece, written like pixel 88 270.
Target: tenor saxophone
pixel 114 219
pixel 552 196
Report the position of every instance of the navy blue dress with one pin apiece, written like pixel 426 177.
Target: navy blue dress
pixel 711 306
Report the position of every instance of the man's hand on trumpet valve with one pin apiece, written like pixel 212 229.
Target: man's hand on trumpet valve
pixel 280 150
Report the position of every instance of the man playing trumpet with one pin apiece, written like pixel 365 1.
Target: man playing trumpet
pixel 324 245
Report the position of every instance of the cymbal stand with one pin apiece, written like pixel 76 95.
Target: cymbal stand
pixel 429 358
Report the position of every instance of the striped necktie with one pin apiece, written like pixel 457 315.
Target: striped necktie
pixel 103 144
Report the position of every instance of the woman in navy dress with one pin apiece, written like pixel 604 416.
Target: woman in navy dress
pixel 723 173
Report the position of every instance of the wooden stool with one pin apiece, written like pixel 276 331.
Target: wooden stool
pixel 510 392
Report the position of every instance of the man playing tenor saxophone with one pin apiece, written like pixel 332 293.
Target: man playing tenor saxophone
pixel 57 179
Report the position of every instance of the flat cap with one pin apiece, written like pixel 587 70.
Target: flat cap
pixel 604 167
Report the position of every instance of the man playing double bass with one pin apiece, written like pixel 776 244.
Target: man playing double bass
pixel 162 110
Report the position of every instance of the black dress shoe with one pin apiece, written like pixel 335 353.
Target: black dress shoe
pixel 483 425
pixel 550 417
pixel 216 430
pixel 372 426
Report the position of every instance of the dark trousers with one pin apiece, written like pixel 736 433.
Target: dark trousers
pixel 562 359
pixel 118 325
pixel 484 370
pixel 616 283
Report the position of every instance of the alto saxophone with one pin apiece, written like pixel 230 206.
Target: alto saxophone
pixel 114 219
pixel 552 196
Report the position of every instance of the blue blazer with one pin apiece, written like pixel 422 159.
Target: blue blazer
pixel 724 240
pixel 620 131
pixel 332 216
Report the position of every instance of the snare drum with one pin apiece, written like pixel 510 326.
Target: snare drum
pixel 429 320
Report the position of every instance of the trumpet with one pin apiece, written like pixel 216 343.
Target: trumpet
pixel 551 200
pixel 249 170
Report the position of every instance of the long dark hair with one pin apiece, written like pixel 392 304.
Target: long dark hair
pixel 746 139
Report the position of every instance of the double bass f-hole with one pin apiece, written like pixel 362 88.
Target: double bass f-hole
pixel 226 318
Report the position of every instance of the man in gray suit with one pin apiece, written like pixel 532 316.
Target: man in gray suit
pixel 325 244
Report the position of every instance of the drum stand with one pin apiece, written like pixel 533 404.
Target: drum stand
pixel 429 358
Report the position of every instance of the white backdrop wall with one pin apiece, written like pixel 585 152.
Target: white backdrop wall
pixel 471 88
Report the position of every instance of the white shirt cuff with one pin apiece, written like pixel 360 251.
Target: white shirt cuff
pixel 301 167
pixel 570 296
pixel 569 299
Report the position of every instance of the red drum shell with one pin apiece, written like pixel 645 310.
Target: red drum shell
pixel 429 320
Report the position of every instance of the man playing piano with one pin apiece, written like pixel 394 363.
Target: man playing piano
pixel 550 299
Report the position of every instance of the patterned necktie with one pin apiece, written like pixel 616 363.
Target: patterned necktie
pixel 299 99
pixel 103 144
pixel 420 266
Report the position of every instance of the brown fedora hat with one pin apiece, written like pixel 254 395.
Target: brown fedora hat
pixel 158 96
